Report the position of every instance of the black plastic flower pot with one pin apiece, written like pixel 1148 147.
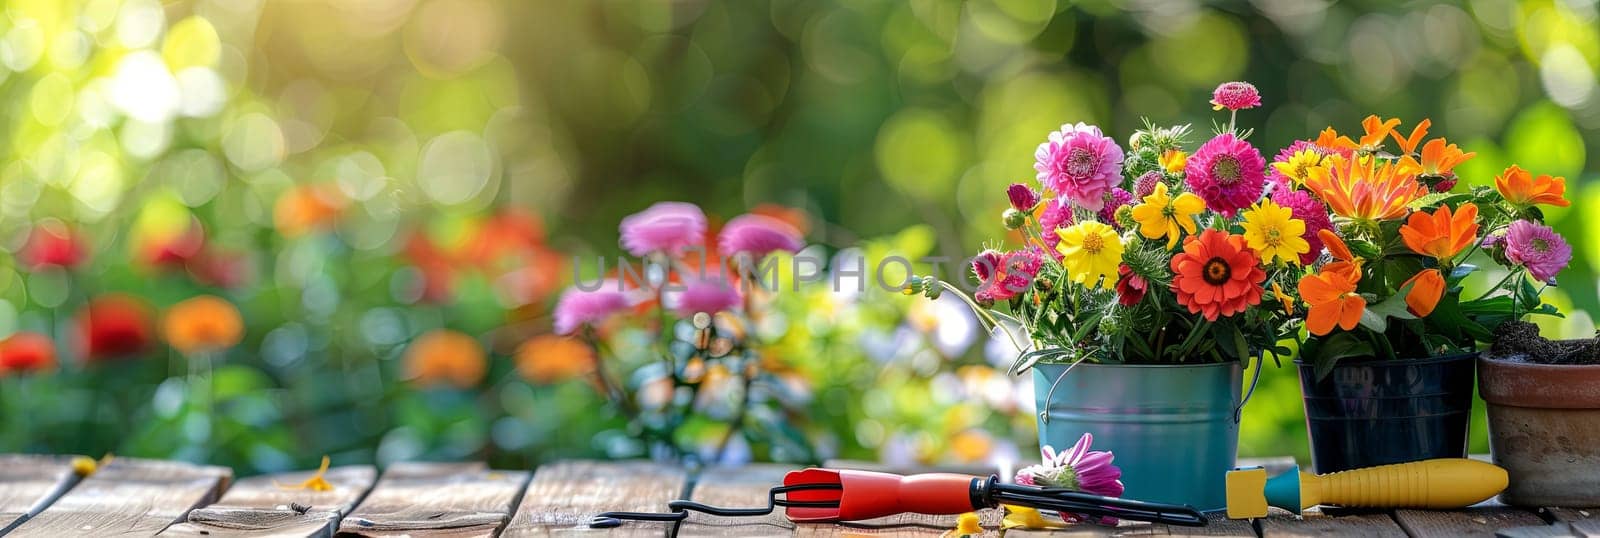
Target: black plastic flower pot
pixel 1380 412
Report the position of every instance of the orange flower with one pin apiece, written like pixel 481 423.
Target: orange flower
pixel 1283 298
pixel 307 208
pixel 1523 190
pixel 1216 275
pixel 202 324
pixel 1335 245
pixel 1409 143
pixel 1377 130
pixel 1332 140
pixel 549 359
pixel 1362 189
pixel 1441 234
pixel 1427 287
pixel 1331 300
pixel 446 356
pixel 27 352
pixel 1438 159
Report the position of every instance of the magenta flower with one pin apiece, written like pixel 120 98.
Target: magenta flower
pixel 1114 199
pixel 1080 164
pixel 1082 469
pixel 1056 215
pixel 1228 173
pixel 666 227
pixel 1012 276
pixel 709 296
pixel 758 235
pixel 1023 198
pixel 1538 248
pixel 1235 96
pixel 578 308
pixel 986 264
pixel 1310 210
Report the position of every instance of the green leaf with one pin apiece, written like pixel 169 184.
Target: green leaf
pixel 1433 200
pixel 1335 348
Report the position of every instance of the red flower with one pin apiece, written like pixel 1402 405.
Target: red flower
pixel 1130 287
pixel 170 249
pixel 1217 275
pixel 26 352
pixel 114 325
pixel 52 243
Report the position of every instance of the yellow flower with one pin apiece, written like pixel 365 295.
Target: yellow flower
pixel 1090 250
pixel 1272 231
pixel 966 525
pixel 1027 518
pixel 1298 167
pixel 1163 215
pixel 1174 160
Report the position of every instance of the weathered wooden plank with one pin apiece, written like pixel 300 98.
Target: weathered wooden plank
pixel 1314 522
pixel 1482 519
pixel 262 506
pixel 738 487
pixel 128 496
pixel 437 499
pixel 563 497
pixel 29 483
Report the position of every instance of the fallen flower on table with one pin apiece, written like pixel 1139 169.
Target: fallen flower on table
pixel 1028 518
pixel 1081 469
pixel 966 525
pixel 317 482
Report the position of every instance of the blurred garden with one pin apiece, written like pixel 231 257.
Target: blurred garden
pixel 253 232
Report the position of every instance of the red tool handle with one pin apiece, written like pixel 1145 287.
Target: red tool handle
pixel 867 494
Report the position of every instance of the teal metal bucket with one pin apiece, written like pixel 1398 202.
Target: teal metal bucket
pixel 1174 429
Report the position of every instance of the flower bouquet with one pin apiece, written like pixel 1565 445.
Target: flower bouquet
pixel 1387 367
pixel 1140 281
pixel 679 353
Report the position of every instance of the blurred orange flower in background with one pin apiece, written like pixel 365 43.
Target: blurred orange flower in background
pixel 114 325
pixel 202 324
pixel 446 356
pixel 307 208
pixel 27 352
pixel 550 359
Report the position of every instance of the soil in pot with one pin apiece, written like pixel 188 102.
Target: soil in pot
pixel 1520 341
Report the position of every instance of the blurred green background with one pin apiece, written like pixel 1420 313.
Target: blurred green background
pixel 356 174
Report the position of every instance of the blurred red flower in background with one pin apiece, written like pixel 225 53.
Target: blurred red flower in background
pixel 114 325
pixel 27 352
pixel 170 246
pixel 53 243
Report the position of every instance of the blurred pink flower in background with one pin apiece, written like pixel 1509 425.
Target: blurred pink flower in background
pixel 709 296
pixel 577 307
pixel 666 227
pixel 758 235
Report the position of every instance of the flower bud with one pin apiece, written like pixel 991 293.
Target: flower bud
pixel 1023 198
pixel 1014 219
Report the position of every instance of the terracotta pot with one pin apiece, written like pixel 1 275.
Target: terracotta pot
pixel 1544 429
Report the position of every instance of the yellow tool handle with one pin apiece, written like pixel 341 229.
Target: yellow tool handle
pixel 1441 483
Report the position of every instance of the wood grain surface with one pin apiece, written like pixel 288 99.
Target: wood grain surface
pixel 437 499
pixel 273 506
pixel 128 497
pixel 564 496
pixel 29 483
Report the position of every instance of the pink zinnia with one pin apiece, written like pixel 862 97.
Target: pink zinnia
pixel 577 307
pixel 758 235
pixel 1228 173
pixel 1081 469
pixel 1309 210
pixel 709 296
pixel 1235 96
pixel 666 227
pixel 1538 248
pixel 1056 215
pixel 1012 276
pixel 1080 164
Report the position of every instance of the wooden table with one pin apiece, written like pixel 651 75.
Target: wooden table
pixel 42 496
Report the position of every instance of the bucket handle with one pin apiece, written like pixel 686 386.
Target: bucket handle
pixel 1238 411
pixel 1044 414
